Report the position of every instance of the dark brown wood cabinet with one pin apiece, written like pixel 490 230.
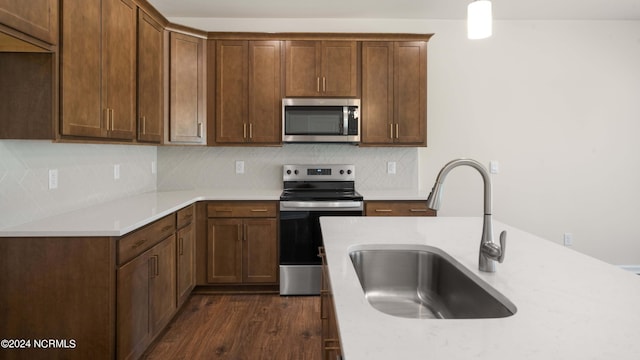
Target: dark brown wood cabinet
pixel 187 108
pixel 98 69
pixel 146 285
pixel 321 68
pixel 186 254
pixel 242 243
pixel 397 208
pixel 330 346
pixel 150 79
pixel 38 19
pixel 394 93
pixel 247 92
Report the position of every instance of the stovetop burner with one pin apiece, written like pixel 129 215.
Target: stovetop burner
pixel 319 183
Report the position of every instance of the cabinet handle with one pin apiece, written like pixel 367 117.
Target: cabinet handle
pixel 324 84
pixel 138 243
pixel 244 232
pixel 397 130
pixel 391 131
pixel 418 210
pixel 180 246
pixel 244 131
pixel 199 130
pixel 259 210
pixel 250 131
pixel 318 84
pixel 111 127
pixel 384 210
pixel 153 267
pixel 144 125
pixel 105 118
pixel 156 265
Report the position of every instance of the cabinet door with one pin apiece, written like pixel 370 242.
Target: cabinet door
pixel 302 68
pixel 162 288
pixel 260 262
pixel 264 92
pixel 410 92
pixel 39 19
pixel 339 74
pixel 150 81
pixel 231 91
pixel 119 67
pixel 224 248
pixel 133 326
pixel 186 120
pixel 80 69
pixel 186 263
pixel 377 92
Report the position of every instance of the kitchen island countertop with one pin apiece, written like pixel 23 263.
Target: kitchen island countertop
pixel 569 305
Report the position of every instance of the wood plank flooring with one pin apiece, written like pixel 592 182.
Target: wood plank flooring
pixel 242 327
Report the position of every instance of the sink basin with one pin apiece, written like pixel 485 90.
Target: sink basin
pixel 424 282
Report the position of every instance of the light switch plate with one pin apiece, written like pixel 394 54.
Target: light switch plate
pixel 494 167
pixel 116 171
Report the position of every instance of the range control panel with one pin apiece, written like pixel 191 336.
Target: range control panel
pixel 332 172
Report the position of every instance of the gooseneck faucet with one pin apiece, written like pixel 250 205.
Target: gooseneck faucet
pixel 490 252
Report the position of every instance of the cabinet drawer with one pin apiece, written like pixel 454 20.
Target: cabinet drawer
pixel 241 209
pixel 184 216
pixel 397 208
pixel 137 242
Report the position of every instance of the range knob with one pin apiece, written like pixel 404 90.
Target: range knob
pixel 289 172
pixel 349 172
pixel 341 172
pixel 295 172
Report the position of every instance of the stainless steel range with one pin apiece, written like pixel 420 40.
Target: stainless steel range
pixel 311 191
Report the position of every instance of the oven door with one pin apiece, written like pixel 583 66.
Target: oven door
pixel 300 237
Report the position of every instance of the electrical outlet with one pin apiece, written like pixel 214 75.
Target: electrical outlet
pixel 391 167
pixel 116 171
pixel 239 167
pixel 494 167
pixel 53 179
pixel 154 167
pixel 568 239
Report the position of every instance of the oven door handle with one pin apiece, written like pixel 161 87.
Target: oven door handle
pixel 320 205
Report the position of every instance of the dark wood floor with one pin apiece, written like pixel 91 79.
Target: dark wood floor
pixel 242 327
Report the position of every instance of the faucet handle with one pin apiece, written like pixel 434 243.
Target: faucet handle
pixel 503 244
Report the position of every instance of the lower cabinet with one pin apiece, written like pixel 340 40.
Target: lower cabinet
pixel 145 298
pixel 185 254
pixel 330 346
pixel 242 243
pixel 397 208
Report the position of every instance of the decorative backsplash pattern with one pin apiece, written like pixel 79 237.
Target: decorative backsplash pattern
pixel 186 168
pixel 85 177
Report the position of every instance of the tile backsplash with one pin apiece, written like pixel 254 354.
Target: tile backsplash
pixel 185 168
pixel 85 177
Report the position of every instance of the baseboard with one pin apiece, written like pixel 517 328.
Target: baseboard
pixel 632 268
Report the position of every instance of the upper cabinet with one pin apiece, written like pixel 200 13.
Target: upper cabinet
pixel 247 93
pixel 98 69
pixel 394 93
pixel 150 79
pixel 187 120
pixel 38 19
pixel 321 68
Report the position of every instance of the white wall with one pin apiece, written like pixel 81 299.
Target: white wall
pixel 557 103
pixel 85 177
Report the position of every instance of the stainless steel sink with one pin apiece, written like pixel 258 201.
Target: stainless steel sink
pixel 425 283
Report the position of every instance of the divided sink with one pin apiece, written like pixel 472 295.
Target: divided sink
pixel 424 282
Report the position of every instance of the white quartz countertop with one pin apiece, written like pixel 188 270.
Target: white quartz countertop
pixel 119 217
pixel 569 305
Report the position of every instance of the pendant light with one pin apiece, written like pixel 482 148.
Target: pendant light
pixel 479 19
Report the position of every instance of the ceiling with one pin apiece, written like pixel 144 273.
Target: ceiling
pixel 400 9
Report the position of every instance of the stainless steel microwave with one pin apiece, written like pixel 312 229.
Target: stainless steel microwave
pixel 321 120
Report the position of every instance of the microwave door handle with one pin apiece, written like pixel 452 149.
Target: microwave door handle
pixel 345 120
